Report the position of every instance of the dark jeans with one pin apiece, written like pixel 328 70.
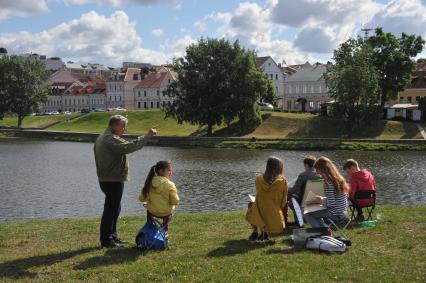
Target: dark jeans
pixel 166 219
pixel 113 192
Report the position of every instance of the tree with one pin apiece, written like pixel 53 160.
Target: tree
pixel 393 58
pixel 23 85
pixel 217 82
pixel 353 82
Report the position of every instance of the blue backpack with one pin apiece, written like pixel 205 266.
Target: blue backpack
pixel 152 237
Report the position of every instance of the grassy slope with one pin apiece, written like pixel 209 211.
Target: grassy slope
pixel 36 121
pixel 275 124
pixel 212 247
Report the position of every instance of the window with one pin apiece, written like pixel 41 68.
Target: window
pixel 311 104
pixel 139 104
pixel 158 104
pixel 276 76
pixel 115 87
pixel 409 99
pixel 144 105
pixel 152 104
pixel 168 80
pixel 119 97
pixel 272 76
pixel 417 98
pixel 288 104
pixel 144 93
pixel 139 93
pixel 164 103
pixel 318 105
pixel 304 89
pixel 115 98
pixel 158 92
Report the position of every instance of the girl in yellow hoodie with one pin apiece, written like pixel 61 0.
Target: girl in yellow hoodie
pixel 265 213
pixel 160 193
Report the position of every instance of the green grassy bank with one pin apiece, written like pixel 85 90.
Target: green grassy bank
pixel 212 247
pixel 274 125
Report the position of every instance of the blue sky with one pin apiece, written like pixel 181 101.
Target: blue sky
pixel 112 31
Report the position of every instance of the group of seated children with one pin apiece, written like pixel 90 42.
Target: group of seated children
pixel 268 213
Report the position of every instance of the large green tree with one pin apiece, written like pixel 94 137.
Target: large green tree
pixel 393 58
pixel 218 82
pixel 353 82
pixel 23 85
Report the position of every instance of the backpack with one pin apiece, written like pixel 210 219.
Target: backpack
pixel 325 243
pixel 151 237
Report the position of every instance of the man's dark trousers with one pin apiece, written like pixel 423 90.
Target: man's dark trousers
pixel 113 192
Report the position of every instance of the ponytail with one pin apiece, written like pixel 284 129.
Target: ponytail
pixel 161 165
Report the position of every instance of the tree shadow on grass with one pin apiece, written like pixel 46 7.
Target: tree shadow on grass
pixel 111 257
pixel 235 247
pixel 20 268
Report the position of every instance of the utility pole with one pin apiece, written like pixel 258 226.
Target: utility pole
pixel 366 31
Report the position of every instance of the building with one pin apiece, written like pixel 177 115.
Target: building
pixel 136 65
pixel 89 69
pixel 273 71
pixel 75 92
pixel 306 90
pixel 120 87
pixel 150 92
pixel 52 64
pixel 406 111
pixel 417 89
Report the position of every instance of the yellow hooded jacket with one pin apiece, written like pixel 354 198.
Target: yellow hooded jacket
pixel 162 198
pixel 265 212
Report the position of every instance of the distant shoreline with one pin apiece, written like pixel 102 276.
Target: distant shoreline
pixel 234 142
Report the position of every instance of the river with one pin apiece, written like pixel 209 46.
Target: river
pixel 49 179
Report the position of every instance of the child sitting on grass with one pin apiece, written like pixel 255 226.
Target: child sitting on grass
pixel 271 196
pixel 360 180
pixel 160 193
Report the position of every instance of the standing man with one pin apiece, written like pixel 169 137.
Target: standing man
pixel 112 169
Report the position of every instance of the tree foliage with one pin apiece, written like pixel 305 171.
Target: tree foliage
pixel 393 58
pixel 23 86
pixel 218 82
pixel 353 82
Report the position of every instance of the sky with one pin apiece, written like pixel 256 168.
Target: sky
pixel 154 31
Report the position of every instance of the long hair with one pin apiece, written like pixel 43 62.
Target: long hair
pixel 161 165
pixel 274 168
pixel 328 170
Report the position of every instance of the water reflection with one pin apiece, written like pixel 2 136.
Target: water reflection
pixel 45 179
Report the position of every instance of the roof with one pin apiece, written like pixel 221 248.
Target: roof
pixel 130 73
pixel 404 106
pixel 262 60
pixel 153 80
pixel 308 73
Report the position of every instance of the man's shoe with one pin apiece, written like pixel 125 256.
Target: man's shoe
pixel 253 236
pixel 111 244
pixel 119 241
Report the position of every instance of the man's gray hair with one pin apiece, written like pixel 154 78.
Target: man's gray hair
pixel 115 119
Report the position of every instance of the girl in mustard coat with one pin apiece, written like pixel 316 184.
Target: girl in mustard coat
pixel 271 196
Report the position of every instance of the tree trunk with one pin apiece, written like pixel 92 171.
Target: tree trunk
pixel 20 118
pixel 383 99
pixel 209 130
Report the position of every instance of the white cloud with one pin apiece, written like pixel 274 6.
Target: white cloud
pixel 21 8
pixel 92 37
pixel 402 16
pixel 251 24
pixel 157 32
pixel 177 47
pixel 200 26
pixel 323 24
pixel 118 3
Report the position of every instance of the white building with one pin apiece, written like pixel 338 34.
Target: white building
pixel 150 92
pixel 277 73
pixel 120 87
pixel 305 90
pixel 89 69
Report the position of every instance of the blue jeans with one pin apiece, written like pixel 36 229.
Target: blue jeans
pixel 316 218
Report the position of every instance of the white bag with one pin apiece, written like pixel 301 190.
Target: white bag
pixel 325 243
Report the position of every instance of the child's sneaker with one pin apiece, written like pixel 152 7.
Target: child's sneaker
pixel 253 236
pixel 264 236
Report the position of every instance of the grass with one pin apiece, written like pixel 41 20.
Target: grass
pixel 212 247
pixel 275 125
pixel 40 122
